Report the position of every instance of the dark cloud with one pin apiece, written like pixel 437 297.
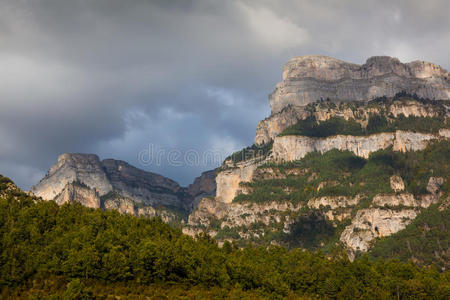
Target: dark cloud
pixel 115 77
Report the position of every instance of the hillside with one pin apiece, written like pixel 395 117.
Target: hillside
pixel 75 252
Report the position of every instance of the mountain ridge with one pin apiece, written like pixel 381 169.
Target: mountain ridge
pixel 111 183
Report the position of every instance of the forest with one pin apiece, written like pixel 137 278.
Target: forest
pixel 73 252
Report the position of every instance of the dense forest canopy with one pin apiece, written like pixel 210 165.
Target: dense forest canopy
pixel 77 252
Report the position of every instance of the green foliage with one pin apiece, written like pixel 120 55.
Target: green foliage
pixel 355 175
pixel 76 290
pixel 251 152
pixel 74 252
pixel 379 121
pixel 376 124
pixel 333 126
pixel 311 230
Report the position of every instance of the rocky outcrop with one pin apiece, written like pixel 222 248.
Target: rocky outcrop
pixel 8 188
pixel 371 223
pixel 310 78
pixel 272 126
pixel 333 202
pixel 434 183
pixel 397 184
pixel 229 180
pixel 404 200
pixel 70 167
pixel 290 148
pixel 77 192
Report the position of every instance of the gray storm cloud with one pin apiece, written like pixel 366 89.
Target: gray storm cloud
pixel 113 77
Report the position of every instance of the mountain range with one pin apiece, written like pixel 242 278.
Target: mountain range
pixel 350 155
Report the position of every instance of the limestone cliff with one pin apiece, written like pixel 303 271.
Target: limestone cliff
pixel 310 78
pixel 78 192
pixel 290 148
pixel 84 168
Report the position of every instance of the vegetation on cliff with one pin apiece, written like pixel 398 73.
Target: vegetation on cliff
pixel 251 152
pixel 342 173
pixel 338 174
pixel 80 253
pixel 378 121
pixel 426 240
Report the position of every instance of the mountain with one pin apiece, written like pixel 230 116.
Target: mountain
pixel 115 184
pixel 349 156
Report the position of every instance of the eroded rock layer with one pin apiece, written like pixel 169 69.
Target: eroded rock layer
pixel 310 78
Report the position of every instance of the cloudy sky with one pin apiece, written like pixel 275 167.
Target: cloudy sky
pixel 155 82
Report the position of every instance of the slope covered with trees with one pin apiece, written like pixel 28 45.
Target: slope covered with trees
pixel 75 252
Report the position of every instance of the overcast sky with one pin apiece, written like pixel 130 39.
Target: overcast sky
pixel 132 79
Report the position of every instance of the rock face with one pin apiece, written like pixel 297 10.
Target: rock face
pixel 397 184
pixel 144 187
pixel 77 192
pixel 229 180
pixel 237 215
pixel 371 223
pixel 85 168
pixel 203 186
pixel 310 78
pixel 84 178
pixel 292 147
